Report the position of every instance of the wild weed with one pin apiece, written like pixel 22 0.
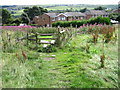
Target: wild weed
pixel 102 60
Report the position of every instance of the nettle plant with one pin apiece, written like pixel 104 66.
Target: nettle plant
pixel 107 31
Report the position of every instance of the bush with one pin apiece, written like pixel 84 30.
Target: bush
pixel 98 20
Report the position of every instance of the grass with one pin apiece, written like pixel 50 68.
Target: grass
pixel 69 67
pixel 82 69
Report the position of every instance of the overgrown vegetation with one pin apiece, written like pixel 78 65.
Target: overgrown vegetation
pixel 84 61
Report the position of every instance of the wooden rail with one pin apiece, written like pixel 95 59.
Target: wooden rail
pixel 49 34
pixel 61 37
pixel 42 39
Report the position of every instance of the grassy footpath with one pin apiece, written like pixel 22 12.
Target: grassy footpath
pixel 83 70
pixel 71 67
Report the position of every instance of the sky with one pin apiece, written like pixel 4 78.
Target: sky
pixel 38 2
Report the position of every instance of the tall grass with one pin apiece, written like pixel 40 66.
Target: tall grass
pixel 42 30
pixel 77 61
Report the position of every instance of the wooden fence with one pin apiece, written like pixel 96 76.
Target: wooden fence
pixel 59 38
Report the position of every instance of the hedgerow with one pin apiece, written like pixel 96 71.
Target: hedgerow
pixel 98 20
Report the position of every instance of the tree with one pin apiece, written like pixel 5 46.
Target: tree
pixel 6 17
pixel 115 16
pixel 100 8
pixel 16 21
pixel 25 18
pixel 118 18
pixel 0 16
pixel 30 13
pixel 83 10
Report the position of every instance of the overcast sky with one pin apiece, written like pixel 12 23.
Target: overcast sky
pixel 38 2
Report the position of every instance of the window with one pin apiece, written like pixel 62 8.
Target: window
pixel 53 19
pixel 104 16
pixel 58 18
pixel 76 17
pixel 63 18
pixel 81 17
pixel 48 25
pixel 95 16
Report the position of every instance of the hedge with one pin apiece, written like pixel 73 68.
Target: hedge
pixel 98 20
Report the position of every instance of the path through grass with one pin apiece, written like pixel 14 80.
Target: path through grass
pixel 69 67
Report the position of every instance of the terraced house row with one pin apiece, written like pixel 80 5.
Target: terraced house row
pixel 48 18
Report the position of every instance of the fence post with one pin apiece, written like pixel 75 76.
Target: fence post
pixel 27 38
pixel 76 26
pixel 36 35
pixel 75 30
pixel 71 25
pixel 58 37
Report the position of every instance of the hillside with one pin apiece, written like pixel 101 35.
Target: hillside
pixel 76 6
pixel 17 10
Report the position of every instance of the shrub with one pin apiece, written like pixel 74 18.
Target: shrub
pixel 98 20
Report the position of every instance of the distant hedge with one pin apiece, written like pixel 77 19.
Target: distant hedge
pixel 98 20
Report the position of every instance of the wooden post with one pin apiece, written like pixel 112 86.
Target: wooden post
pixel 71 25
pixel 36 35
pixel 76 30
pixel 27 38
pixel 76 26
pixel 58 37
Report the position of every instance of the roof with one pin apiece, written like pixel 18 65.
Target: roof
pixel 99 12
pixel 67 14
pixel 116 11
pixel 52 14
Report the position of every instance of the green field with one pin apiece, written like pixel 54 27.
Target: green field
pixel 65 7
pixel 18 12
pixel 55 7
pixel 75 7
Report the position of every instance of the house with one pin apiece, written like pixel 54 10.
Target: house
pixel 116 10
pixel 48 18
pixel 70 16
pixel 96 13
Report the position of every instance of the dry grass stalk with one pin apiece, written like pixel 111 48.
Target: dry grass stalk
pixel 87 48
pixel 24 55
pixel 102 60
pixel 95 37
